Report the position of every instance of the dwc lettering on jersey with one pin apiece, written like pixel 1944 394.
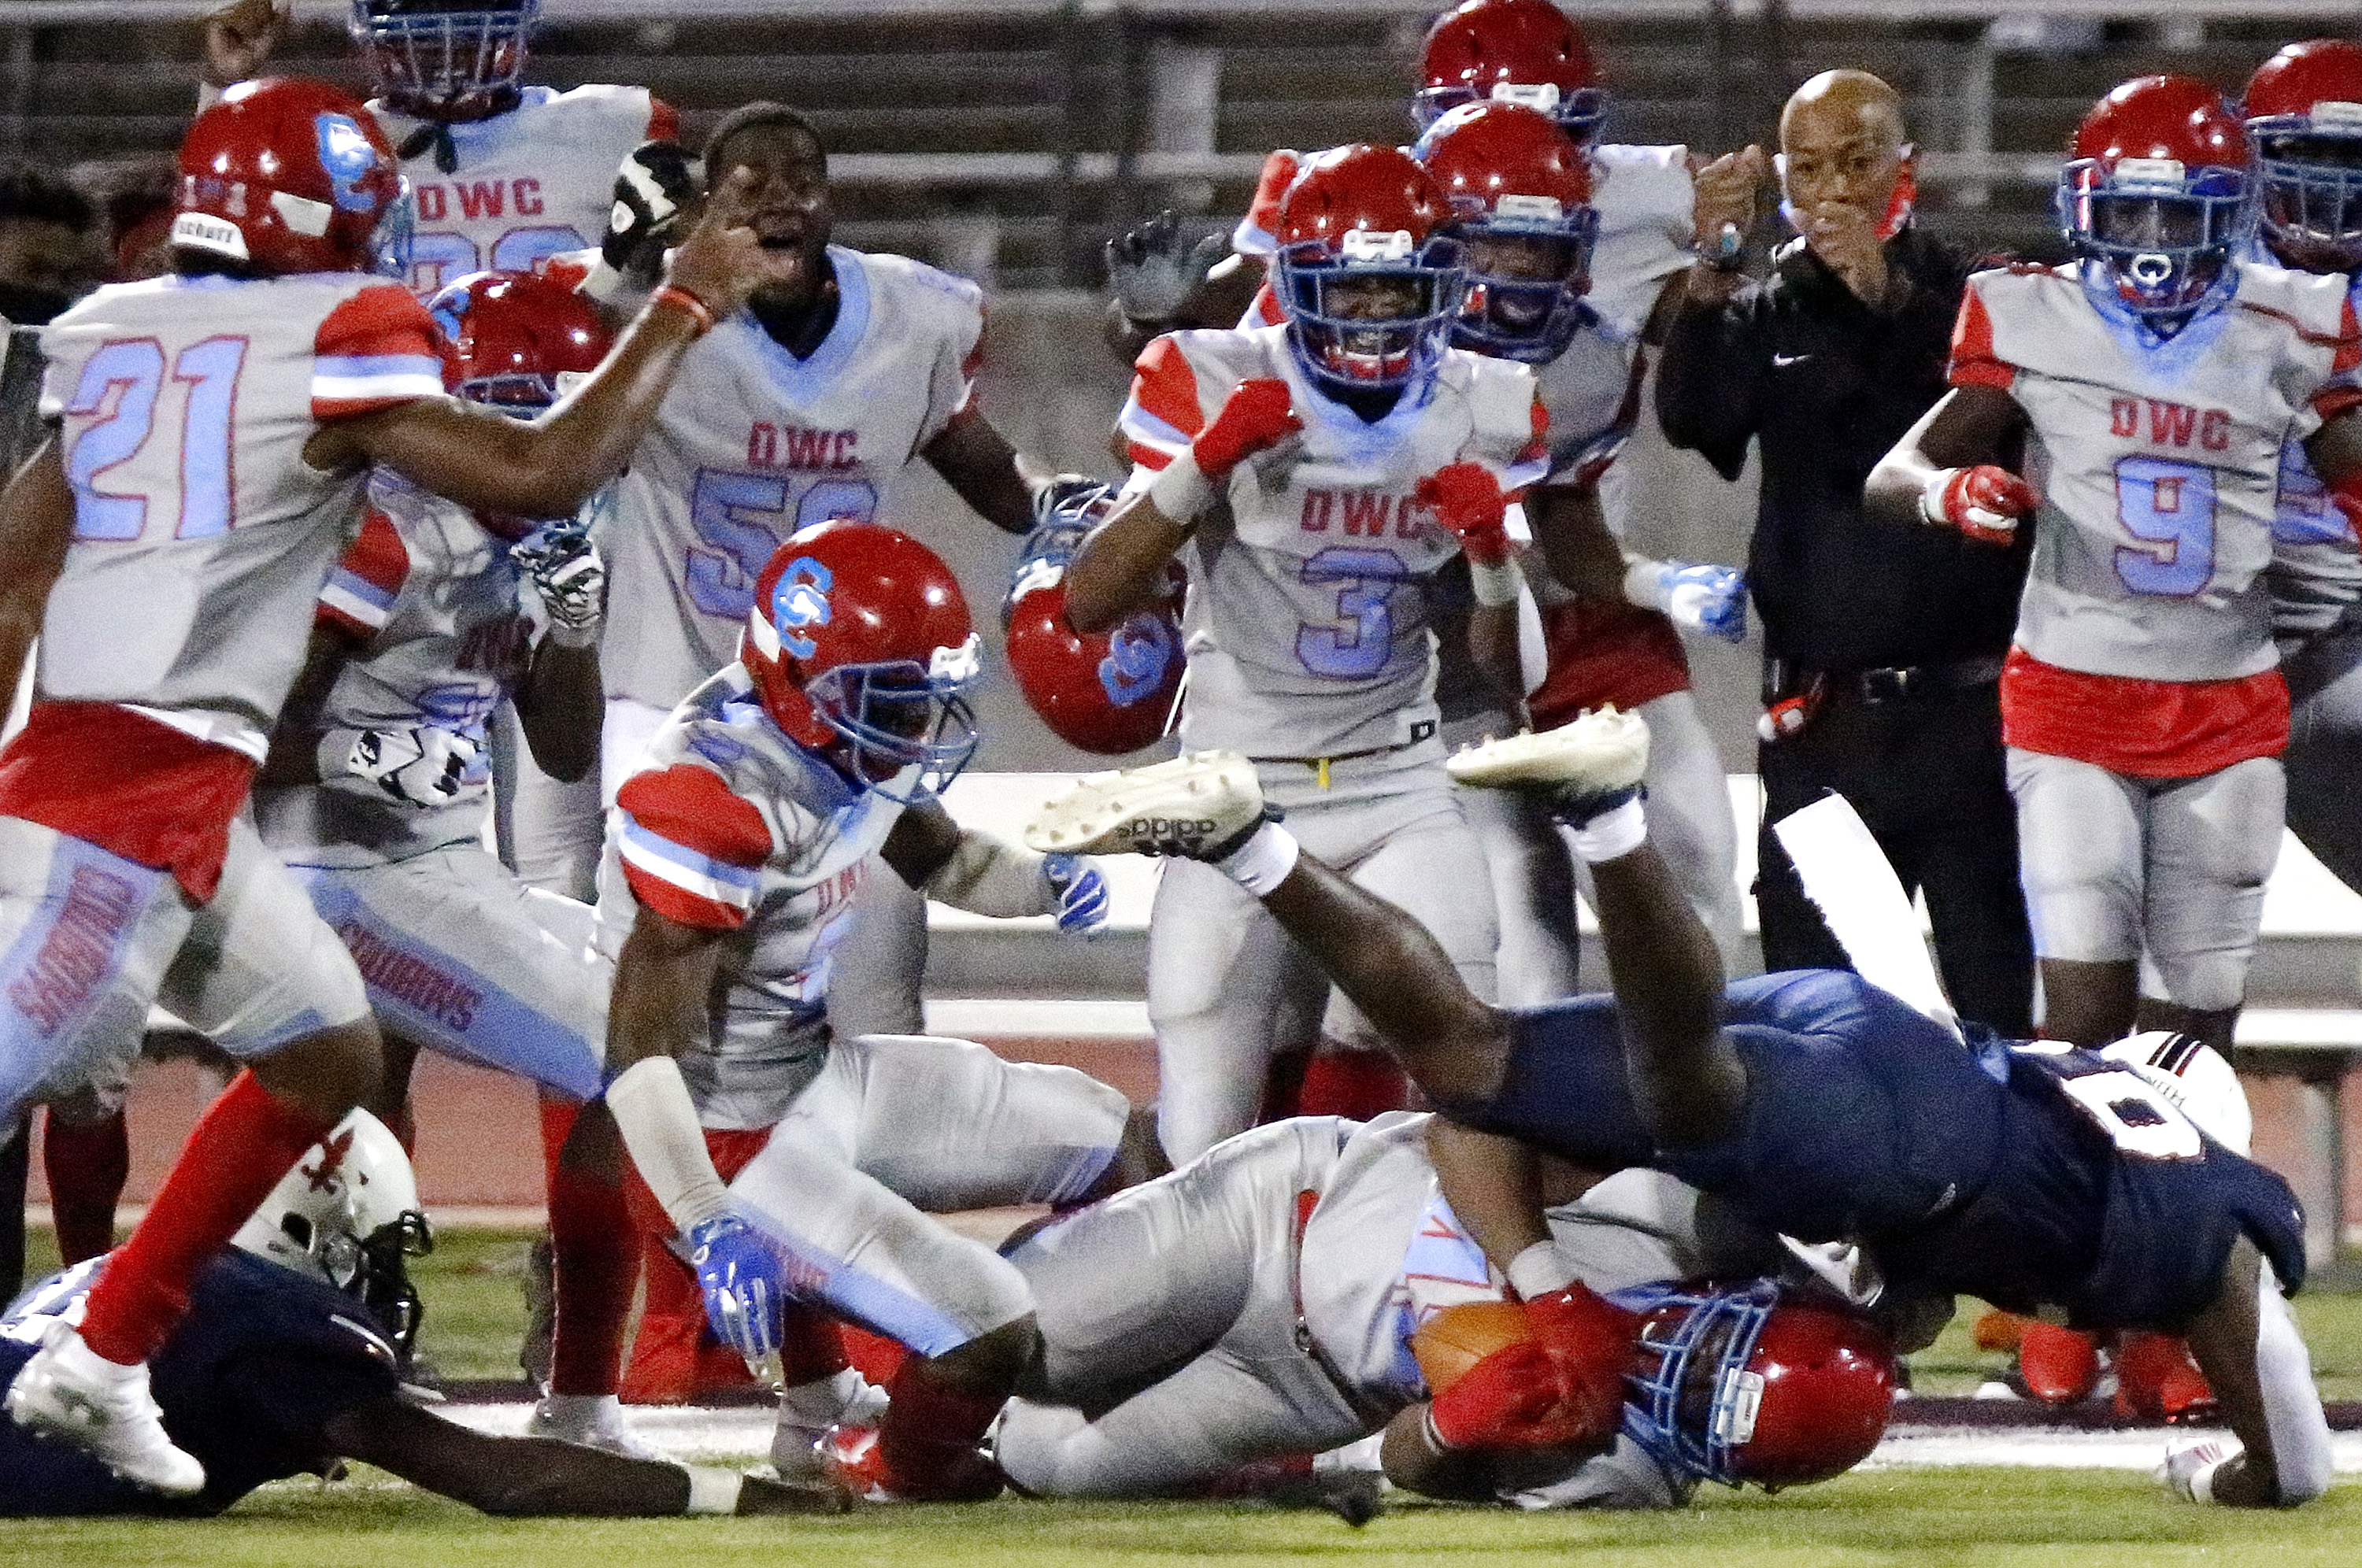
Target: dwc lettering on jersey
pixel 476 199
pixel 800 449
pixel 1363 514
pixel 2169 423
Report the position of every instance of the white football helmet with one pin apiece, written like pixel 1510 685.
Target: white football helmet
pixel 349 1214
pixel 2194 1080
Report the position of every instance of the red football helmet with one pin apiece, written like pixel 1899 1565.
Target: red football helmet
pixel 1368 280
pixel 860 648
pixel 2304 111
pixel 1740 1384
pixel 517 341
pixel 1520 194
pixel 290 175
pixel 1107 693
pixel 1525 51
pixel 2155 198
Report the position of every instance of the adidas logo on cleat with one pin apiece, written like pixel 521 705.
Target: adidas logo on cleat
pixel 1174 830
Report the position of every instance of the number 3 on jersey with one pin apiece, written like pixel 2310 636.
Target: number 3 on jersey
pixel 1366 581
pixel 741 518
pixel 2170 507
pixel 122 383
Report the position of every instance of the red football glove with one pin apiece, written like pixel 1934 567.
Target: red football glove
pixel 1595 1346
pixel 1515 1397
pixel 1983 503
pixel 1255 417
pixel 1467 499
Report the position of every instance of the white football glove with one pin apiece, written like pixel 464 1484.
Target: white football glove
pixel 422 767
pixel 564 573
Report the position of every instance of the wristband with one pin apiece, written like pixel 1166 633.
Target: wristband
pixel 1540 1270
pixel 674 294
pixel 712 1491
pixel 1495 585
pixel 1180 492
pixel 1612 834
pixel 650 1103
pixel 1931 498
pixel 1263 861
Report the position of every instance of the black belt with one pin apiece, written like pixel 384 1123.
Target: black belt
pixel 1892 683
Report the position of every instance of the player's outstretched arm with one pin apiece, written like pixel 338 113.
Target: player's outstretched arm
pixel 552 466
pixel 1944 472
pixel 1121 565
pixel 988 876
pixel 2247 1344
pixel 979 463
pixel 537 1478
pixel 37 523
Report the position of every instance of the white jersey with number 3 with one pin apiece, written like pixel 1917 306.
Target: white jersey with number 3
pixel 1307 620
pixel 2158 465
pixel 525 185
pixel 753 443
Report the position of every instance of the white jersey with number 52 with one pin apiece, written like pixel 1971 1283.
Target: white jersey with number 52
pixel 525 185
pixel 2158 465
pixel 753 443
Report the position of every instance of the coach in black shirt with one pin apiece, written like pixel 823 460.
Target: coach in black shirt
pixel 1884 643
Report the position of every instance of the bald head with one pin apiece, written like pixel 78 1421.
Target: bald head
pixel 1844 103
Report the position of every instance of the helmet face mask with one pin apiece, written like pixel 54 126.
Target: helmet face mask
pixel 1526 282
pixel 1369 283
pixel 445 60
pixel 898 715
pixel 2311 176
pixel 1745 1383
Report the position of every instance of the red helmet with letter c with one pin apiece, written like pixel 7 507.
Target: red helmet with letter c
pixel 2155 198
pixel 1519 51
pixel 1747 1384
pixel 517 341
pixel 2304 112
pixel 860 648
pixel 1105 692
pixel 290 175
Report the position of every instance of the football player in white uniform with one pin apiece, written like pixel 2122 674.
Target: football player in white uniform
pixel 2159 377
pixel 2303 107
pixel 734 860
pixel 214 430
pixel 373 795
pixel 1318 475
pixel 1296 1266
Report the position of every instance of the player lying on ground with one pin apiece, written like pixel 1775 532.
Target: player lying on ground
pixel 291 1359
pixel 735 863
pixel 1305 1285
pixel 2035 1175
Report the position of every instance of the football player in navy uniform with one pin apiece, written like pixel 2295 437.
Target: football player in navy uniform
pixel 292 1358
pixel 2032 1175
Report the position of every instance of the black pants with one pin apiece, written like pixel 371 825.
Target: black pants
pixel 1924 772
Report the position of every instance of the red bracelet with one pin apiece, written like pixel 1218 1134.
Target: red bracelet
pixel 673 293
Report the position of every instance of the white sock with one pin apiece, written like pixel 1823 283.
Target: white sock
pixel 1612 834
pixel 1263 861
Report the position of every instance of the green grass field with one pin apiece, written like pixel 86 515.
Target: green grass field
pixel 1982 1518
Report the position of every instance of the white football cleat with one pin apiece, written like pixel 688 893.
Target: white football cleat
pixel 591 1421
pixel 70 1392
pixel 1199 805
pixel 807 1412
pixel 1584 764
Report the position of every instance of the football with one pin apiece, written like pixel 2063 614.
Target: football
pixel 1457 1338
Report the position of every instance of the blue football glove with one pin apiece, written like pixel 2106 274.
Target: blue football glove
pixel 1082 894
pixel 742 1280
pixel 1710 598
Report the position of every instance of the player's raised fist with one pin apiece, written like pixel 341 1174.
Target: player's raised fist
pixel 1467 499
pixel 1983 502
pixel 1726 193
pixel 723 261
pixel 1256 417
pixel 239 38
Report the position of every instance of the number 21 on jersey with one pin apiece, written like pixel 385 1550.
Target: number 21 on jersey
pixel 129 388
